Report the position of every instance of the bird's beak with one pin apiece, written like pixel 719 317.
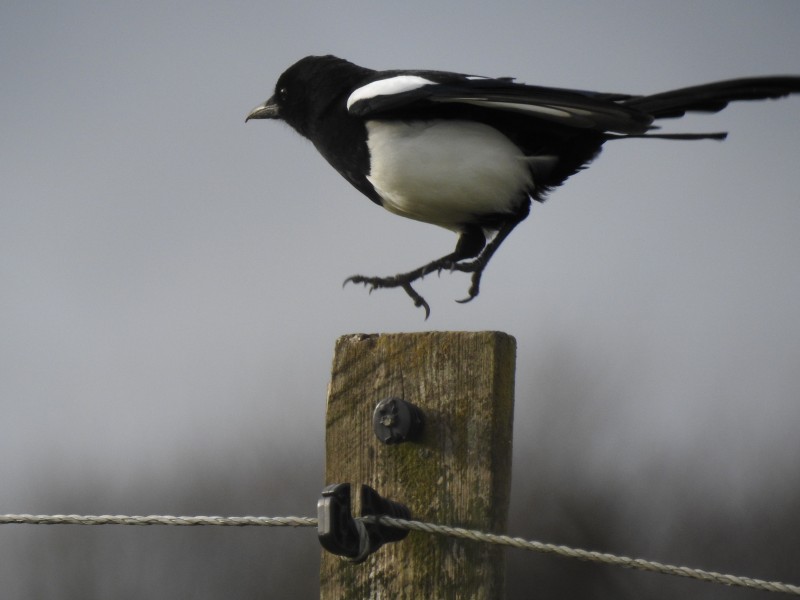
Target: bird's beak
pixel 268 110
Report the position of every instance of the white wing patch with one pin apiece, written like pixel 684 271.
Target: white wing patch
pixel 388 87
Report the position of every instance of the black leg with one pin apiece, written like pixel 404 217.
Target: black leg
pixel 471 245
pixel 477 266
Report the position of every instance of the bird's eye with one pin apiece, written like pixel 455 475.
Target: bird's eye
pixel 283 93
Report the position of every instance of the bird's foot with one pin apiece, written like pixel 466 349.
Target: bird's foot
pixel 474 288
pixel 403 281
pixel 475 267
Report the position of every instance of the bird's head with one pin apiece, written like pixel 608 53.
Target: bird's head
pixel 306 89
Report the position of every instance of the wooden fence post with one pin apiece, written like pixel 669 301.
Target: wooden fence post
pixel 458 473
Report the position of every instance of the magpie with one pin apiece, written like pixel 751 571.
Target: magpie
pixel 470 153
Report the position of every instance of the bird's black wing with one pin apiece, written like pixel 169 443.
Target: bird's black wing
pixel 407 92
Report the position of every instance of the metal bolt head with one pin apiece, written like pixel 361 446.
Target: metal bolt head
pixel 395 421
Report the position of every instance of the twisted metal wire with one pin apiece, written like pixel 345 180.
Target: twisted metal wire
pixel 431 528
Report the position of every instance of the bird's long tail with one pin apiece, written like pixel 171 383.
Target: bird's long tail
pixel 708 98
pixel 716 135
pixel 713 97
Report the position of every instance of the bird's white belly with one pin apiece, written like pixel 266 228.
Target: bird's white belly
pixel 445 172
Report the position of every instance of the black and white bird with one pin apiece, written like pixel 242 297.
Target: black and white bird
pixel 469 153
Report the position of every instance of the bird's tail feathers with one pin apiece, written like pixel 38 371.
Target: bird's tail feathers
pixel 713 97
pixel 719 136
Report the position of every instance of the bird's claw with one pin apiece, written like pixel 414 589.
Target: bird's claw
pixel 474 288
pixel 374 283
pixel 404 280
pixel 419 301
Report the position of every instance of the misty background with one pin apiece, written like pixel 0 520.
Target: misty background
pixel 170 293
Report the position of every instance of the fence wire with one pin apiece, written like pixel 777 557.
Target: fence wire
pixel 430 528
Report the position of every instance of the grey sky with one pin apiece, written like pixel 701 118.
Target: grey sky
pixel 170 278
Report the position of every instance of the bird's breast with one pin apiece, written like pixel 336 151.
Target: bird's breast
pixel 446 172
